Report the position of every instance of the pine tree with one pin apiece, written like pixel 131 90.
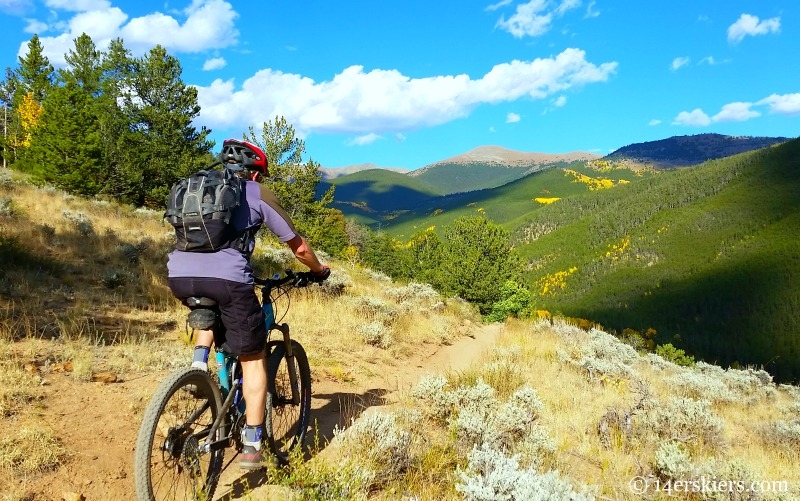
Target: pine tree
pixel 66 148
pixel 295 184
pixel 160 145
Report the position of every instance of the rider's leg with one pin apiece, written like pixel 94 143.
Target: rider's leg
pixel 254 387
pixel 254 390
pixel 201 348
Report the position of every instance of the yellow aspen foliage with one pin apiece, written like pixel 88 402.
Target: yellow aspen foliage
pixel 350 254
pixel 550 285
pixel 617 251
pixel 593 183
pixel 30 112
pixel 546 201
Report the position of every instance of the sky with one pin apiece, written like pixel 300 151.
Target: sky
pixel 405 84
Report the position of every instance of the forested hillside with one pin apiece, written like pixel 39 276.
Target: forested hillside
pixel 707 257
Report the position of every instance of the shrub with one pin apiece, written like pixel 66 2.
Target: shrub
pixel 491 476
pixel 380 445
pixel 515 301
pixel 83 225
pixel 674 355
pixel 376 334
pixel 7 207
pixel 683 419
pixel 673 462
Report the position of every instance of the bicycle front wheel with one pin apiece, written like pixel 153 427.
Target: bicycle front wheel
pixel 168 463
pixel 287 422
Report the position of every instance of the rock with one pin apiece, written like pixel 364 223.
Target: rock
pixel 71 496
pixel 104 377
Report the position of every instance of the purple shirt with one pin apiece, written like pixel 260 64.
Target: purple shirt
pixel 259 206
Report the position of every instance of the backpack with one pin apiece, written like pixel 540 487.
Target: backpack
pixel 200 208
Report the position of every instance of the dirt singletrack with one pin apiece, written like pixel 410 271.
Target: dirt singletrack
pixel 97 422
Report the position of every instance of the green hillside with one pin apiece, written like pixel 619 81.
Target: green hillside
pixel 449 178
pixel 377 192
pixel 706 256
pixel 506 203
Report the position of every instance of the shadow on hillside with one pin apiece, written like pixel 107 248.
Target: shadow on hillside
pixel 338 411
pixel 742 315
pixel 378 198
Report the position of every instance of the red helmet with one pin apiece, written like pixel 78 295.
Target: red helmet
pixel 248 155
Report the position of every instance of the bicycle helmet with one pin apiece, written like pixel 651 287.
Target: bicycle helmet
pixel 246 154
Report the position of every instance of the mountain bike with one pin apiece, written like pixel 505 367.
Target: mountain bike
pixel 193 417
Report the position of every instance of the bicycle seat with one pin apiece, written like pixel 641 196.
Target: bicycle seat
pixel 199 302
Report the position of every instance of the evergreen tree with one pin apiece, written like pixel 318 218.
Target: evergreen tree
pixel 160 144
pixel 66 148
pixel 476 261
pixel 295 183
pixel 7 91
pixel 34 79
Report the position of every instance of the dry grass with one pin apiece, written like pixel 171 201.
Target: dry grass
pixel 31 449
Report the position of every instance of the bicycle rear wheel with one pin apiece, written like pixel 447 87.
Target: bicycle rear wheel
pixel 168 463
pixel 287 423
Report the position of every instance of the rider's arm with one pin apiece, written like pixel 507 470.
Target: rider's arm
pixel 305 254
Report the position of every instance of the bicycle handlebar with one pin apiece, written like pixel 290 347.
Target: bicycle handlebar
pixel 298 279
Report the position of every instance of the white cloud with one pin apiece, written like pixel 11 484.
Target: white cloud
pixel 512 118
pixel 560 101
pixel 16 7
pixel 750 25
pixel 498 5
pixel 78 5
pixel 207 24
pixel 591 11
pixel 378 101
pixel 787 104
pixel 709 60
pixel 35 26
pixel 678 62
pixel 695 118
pixel 527 20
pixel 400 137
pixel 214 64
pixel 654 122
pixel 735 112
pixel 535 17
pixel 364 140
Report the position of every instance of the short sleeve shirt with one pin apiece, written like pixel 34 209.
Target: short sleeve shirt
pixel 259 207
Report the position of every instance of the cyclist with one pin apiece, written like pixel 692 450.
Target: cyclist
pixel 226 276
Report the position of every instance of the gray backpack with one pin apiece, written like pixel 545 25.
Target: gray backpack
pixel 200 208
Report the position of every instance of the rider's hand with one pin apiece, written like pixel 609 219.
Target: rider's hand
pixel 322 275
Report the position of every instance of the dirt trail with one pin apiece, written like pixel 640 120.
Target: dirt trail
pixel 98 423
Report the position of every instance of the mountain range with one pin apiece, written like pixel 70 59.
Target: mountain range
pixel 373 195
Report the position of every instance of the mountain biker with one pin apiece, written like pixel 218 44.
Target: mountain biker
pixel 226 276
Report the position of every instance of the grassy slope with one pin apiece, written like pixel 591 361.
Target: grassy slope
pixel 504 205
pixel 450 178
pixel 712 261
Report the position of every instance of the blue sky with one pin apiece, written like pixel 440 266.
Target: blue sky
pixel 404 84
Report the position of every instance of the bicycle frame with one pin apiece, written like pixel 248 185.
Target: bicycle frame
pixel 227 365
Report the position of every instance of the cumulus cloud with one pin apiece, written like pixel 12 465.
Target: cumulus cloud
pixel 214 64
pixel 355 101
pixel 512 118
pixel 654 122
pixel 786 104
pixel 560 101
pixel 679 62
pixel 205 24
pixel 748 25
pixel 535 17
pixel 364 140
pixel 735 112
pixel 694 118
pixel 35 26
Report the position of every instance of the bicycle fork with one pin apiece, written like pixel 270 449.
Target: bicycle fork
pixel 287 342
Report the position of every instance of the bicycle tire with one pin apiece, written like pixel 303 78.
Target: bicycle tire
pixel 167 464
pixel 286 423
